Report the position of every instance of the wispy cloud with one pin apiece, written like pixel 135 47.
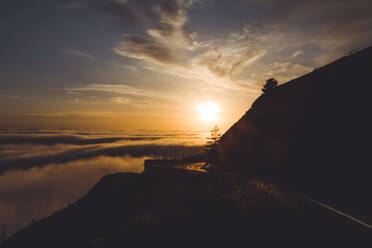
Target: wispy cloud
pixel 146 49
pixel 17 97
pixel 77 114
pixel 297 53
pixel 122 89
pixel 231 63
pixel 76 52
pixel 287 70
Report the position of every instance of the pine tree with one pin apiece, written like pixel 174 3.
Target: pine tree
pixel 270 84
pixel 214 137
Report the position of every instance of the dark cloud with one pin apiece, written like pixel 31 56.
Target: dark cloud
pixel 164 22
pixel 172 18
pixel 163 14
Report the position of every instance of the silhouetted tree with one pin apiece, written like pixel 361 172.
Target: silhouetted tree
pixel 214 137
pixel 270 84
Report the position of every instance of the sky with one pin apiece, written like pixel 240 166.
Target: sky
pixel 161 64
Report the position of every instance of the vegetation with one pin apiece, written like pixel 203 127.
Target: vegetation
pixel 269 85
pixel 214 137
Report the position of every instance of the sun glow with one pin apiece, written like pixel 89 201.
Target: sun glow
pixel 208 111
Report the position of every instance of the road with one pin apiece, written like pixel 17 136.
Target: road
pixel 198 167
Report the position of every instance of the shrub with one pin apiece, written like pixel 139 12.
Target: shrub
pixel 270 84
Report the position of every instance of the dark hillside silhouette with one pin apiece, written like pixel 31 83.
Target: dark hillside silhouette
pixel 179 209
pixel 312 133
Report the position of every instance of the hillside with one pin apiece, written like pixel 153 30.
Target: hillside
pixel 312 134
pixel 187 209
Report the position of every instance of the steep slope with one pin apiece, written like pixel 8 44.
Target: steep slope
pixel 311 133
pixel 177 209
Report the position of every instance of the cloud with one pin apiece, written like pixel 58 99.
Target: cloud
pixel 120 100
pixel 76 52
pixel 83 153
pixel 165 23
pixel 63 139
pixel 228 65
pixel 297 53
pixel 27 195
pixel 17 97
pixel 24 151
pixel 146 49
pixel 172 20
pixel 285 71
pixel 77 114
pixel 170 44
pixel 41 171
pixel 331 24
pixel 165 20
pixel 123 89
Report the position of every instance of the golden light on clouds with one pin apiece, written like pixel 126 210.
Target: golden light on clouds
pixel 208 111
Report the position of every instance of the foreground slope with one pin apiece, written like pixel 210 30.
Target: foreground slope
pixel 312 133
pixel 178 209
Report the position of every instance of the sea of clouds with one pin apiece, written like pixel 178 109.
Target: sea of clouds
pixel 42 171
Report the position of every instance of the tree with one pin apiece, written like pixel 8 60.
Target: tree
pixel 214 137
pixel 269 85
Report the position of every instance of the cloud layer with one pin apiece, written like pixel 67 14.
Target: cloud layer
pixel 42 171
pixel 21 151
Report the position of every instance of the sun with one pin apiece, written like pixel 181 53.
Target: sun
pixel 208 111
